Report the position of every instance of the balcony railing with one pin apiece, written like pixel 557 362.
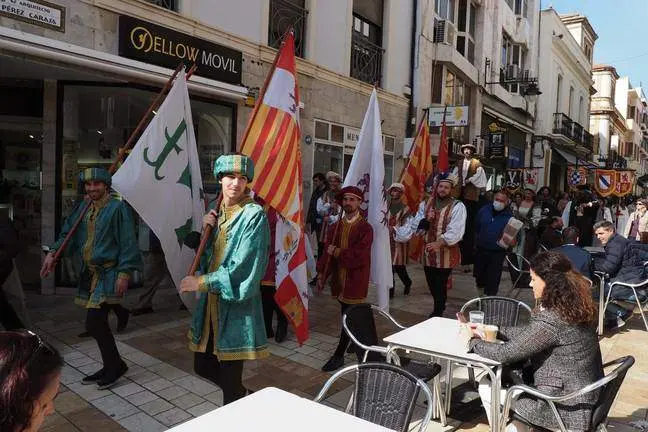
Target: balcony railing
pixel 284 15
pixel 166 4
pixel 567 127
pixel 366 60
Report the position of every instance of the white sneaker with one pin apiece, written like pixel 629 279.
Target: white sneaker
pixel 620 322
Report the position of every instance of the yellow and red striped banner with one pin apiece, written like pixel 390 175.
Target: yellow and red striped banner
pixel 418 169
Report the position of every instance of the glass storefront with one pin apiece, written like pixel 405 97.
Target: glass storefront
pixel 98 119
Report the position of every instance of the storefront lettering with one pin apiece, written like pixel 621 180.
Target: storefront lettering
pixel 35 12
pixel 159 45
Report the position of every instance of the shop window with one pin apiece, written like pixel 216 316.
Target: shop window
pixel 97 121
pixel 321 130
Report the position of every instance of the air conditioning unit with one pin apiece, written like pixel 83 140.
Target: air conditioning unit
pixel 512 72
pixel 444 32
pixel 480 144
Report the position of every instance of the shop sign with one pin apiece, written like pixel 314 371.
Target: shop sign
pixel 150 43
pixel 351 136
pixel 496 144
pixel 454 115
pixel 37 12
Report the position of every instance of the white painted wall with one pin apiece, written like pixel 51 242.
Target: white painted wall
pixel 397 40
pixel 328 36
pixel 244 18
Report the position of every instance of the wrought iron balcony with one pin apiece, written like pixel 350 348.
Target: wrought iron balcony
pixel 166 4
pixel 588 140
pixel 563 125
pixel 285 14
pixel 366 60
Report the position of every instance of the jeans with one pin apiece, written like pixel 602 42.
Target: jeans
pixel 488 270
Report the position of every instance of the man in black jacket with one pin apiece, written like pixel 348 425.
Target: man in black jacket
pixel 579 257
pixel 614 245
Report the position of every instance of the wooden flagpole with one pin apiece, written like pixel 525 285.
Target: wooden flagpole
pixel 208 229
pixel 121 153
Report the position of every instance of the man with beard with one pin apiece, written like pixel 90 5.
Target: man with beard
pixel 398 214
pixel 441 219
pixel 328 208
pixel 106 239
pixel 471 180
pixel 347 260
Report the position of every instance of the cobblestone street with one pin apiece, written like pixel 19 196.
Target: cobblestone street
pixel 160 389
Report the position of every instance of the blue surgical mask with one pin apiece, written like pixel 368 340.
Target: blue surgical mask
pixel 498 206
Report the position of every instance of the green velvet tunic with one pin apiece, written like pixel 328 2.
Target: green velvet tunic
pixel 229 295
pixel 106 239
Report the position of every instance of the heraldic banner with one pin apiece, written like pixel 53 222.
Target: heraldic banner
pixel 513 180
pixel 625 181
pixel 531 178
pixel 576 176
pixel 605 182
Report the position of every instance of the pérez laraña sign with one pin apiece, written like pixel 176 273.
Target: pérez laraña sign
pixel 150 43
pixel 454 115
pixel 37 12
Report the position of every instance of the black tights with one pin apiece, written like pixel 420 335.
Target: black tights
pixel 437 280
pixel 97 326
pixel 228 375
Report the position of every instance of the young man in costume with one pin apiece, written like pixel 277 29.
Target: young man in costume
pixel 347 260
pixel 227 326
pixel 106 239
pixel 398 215
pixel 328 209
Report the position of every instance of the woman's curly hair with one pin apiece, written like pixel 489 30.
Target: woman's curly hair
pixel 27 367
pixel 566 291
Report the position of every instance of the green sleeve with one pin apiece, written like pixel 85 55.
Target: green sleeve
pixel 129 257
pixel 68 223
pixel 238 278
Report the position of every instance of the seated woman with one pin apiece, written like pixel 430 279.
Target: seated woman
pixel 560 341
pixel 30 372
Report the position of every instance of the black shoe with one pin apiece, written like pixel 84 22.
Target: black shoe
pixel 84 334
pixel 282 331
pixel 270 334
pixel 122 321
pixel 142 311
pixel 333 364
pixel 406 291
pixel 391 292
pixel 91 379
pixel 111 379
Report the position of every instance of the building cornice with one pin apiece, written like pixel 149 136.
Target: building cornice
pixel 157 15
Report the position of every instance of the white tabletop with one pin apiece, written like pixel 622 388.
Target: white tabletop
pixel 275 410
pixel 436 335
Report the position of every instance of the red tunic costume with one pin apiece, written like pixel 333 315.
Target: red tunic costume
pixel 399 251
pixel 350 265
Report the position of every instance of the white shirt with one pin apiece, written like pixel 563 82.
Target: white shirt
pixel 478 180
pixel 454 231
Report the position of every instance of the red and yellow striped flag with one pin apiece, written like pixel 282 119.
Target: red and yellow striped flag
pixel 272 139
pixel 418 169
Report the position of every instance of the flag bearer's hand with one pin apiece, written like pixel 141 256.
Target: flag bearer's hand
pixel 320 284
pixel 121 286
pixel 210 219
pixel 48 265
pixel 189 283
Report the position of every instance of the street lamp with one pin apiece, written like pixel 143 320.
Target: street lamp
pixel 531 93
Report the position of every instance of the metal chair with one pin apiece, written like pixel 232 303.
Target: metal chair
pixel 499 311
pixel 524 269
pixel 384 394
pixel 634 288
pixel 609 386
pixel 359 320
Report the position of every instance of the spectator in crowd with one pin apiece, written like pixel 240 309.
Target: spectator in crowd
pixel 562 202
pixel 313 219
pixel 637 224
pixel 546 202
pixel 620 214
pixel 552 235
pixel 530 214
pixel 614 245
pixel 30 370
pixel 561 343
pixel 581 213
pixel 579 257
pixel 489 226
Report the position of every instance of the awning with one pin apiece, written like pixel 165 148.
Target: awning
pixel 573 160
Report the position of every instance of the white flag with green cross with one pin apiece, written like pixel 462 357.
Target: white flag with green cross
pixel 161 179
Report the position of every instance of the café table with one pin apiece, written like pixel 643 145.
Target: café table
pixel 439 337
pixel 594 252
pixel 275 410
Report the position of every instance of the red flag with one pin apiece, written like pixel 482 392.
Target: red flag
pixel 418 169
pixel 272 140
pixel 443 165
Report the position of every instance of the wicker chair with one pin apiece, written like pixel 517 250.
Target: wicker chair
pixel 384 394
pixel 609 385
pixel 359 320
pixel 499 311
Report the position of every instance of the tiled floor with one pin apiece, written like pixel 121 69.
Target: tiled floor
pixel 160 389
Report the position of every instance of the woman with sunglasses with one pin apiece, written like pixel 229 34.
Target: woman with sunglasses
pixel 30 373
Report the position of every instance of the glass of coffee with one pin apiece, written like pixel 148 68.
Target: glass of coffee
pixel 490 333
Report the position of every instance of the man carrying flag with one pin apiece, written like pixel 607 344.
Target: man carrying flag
pixel 398 216
pixel 227 326
pixel 272 140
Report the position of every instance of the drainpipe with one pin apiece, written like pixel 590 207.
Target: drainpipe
pixel 409 128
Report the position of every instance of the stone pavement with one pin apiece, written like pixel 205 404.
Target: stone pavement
pixel 160 389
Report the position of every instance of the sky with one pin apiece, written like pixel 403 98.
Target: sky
pixel 621 27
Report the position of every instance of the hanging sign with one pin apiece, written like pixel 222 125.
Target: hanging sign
pixel 576 176
pixel 531 178
pixel 625 181
pixel 513 180
pixel 604 182
pixel 37 12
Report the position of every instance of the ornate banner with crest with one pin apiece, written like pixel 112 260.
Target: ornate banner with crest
pixel 513 180
pixel 625 181
pixel 531 178
pixel 605 182
pixel 576 176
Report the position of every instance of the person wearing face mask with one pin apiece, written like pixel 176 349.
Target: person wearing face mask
pixel 637 223
pixel 489 227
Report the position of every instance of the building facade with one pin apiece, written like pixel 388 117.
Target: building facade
pixel 561 123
